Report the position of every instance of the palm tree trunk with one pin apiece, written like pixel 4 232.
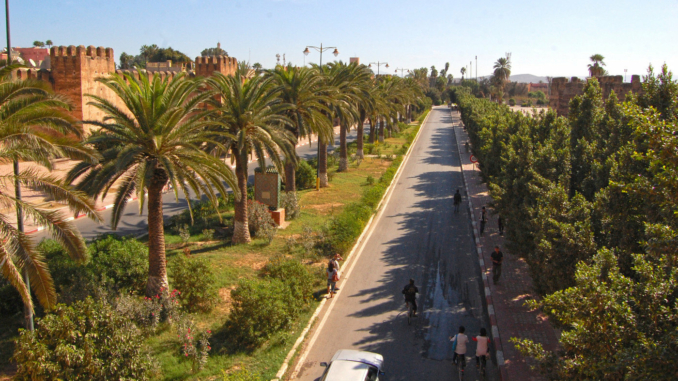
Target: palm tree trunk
pixel 373 131
pixel 290 173
pixel 343 149
pixel 322 165
pixel 157 263
pixel 381 130
pixel 241 230
pixel 359 153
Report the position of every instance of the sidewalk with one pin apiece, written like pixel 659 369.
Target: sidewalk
pixel 509 317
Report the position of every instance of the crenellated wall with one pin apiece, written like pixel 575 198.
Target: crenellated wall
pixel 74 70
pixel 205 66
pixel 562 90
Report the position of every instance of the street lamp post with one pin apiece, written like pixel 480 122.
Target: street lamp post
pixel 320 49
pixel 402 71
pixel 378 65
pixel 624 75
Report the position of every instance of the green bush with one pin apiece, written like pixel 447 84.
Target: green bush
pixel 117 264
pixel 290 201
pixel 86 341
pixel 195 281
pixel 527 103
pixel 295 275
pixel 369 180
pixel 260 309
pixel 347 226
pixel 512 101
pixel 305 175
pixel 258 216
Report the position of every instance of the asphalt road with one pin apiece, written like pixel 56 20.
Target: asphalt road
pixel 416 236
pixel 134 223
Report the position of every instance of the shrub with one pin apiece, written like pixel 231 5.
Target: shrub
pixel 541 102
pixel 260 309
pixel 194 279
pixel 195 345
pixel 348 225
pixel 146 312
pixel 305 175
pixel 290 201
pixel 185 234
pixel 527 103
pixel 258 216
pixel 267 232
pixel 208 234
pixel 512 102
pixel 295 275
pixel 117 264
pixel 86 341
pixel 369 180
pixel 367 148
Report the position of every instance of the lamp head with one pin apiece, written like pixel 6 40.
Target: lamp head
pixel 306 51
pixel 370 65
pixel 335 52
pixel 386 65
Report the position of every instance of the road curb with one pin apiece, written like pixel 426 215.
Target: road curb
pixel 285 366
pixel 499 349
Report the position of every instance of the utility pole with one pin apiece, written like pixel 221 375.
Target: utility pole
pixel 28 313
pixel 476 69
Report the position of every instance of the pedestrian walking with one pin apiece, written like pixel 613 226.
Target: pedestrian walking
pixel 483 220
pixel 500 225
pixel 335 260
pixel 497 259
pixel 457 201
pixel 332 279
pixel 466 145
pixel 460 340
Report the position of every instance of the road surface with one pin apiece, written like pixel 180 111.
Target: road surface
pixel 134 223
pixel 418 236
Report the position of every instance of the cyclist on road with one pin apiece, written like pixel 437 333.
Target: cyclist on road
pixel 410 291
pixel 482 350
pixel 460 348
pixel 457 201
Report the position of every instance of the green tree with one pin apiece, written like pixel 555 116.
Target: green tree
pixel 38 44
pixel 434 72
pixel 156 137
pixel 463 71
pixel 302 90
pixel 596 67
pixel 250 119
pixel 257 67
pixel 502 72
pixel 34 127
pixel 49 43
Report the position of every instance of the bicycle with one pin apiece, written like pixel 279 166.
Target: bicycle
pixel 483 365
pixel 461 365
pixel 410 312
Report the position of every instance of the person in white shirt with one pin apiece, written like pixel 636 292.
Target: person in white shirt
pixel 482 350
pixel 460 350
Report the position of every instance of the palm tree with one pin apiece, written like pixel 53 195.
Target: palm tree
pixel 596 68
pixel 156 137
pixel 250 116
pixel 49 43
pixel 463 71
pixel 502 72
pixel 351 87
pixel 35 127
pixel 301 89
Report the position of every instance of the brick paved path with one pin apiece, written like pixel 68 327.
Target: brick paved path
pixel 511 317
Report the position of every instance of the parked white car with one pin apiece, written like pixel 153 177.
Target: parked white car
pixel 351 365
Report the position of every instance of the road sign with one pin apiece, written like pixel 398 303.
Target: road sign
pixel 473 159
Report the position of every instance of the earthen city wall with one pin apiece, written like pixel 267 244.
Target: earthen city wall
pixel 74 71
pixel 562 90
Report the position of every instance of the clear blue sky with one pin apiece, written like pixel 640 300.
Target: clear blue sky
pixel 545 37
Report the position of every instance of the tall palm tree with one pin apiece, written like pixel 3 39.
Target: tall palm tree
pixel 302 90
pixel 502 72
pixel 463 71
pixel 596 68
pixel 351 85
pixel 250 116
pixel 34 126
pixel 156 137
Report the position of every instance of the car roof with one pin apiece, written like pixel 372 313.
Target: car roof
pixel 371 358
pixel 342 370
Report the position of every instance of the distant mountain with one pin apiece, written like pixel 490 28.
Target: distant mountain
pixel 527 78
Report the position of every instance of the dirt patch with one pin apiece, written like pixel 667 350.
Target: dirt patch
pixel 325 208
pixel 254 261
pixel 224 306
